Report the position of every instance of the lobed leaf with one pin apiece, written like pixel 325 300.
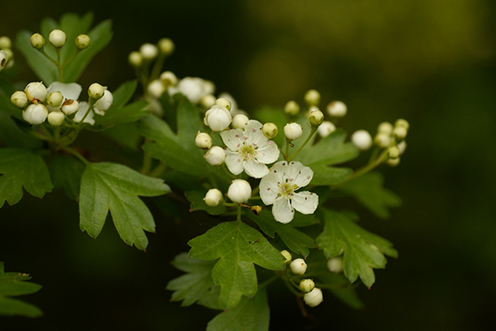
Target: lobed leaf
pixel 66 173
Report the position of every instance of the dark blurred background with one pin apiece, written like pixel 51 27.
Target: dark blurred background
pixel 431 62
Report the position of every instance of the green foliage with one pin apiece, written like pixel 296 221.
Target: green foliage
pixel 66 173
pixel 14 284
pixel 363 251
pixel 116 187
pixel 22 168
pixel 369 191
pixel 238 246
pixel 250 314
pixel 197 203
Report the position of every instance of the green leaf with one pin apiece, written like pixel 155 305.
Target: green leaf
pixel 296 240
pixel 363 251
pixel 12 136
pixel 324 175
pixel 341 289
pixel 369 191
pixel 250 314
pixel 190 288
pixel 66 173
pixel 14 284
pixel 238 246
pixel 116 187
pixel 22 168
pixel 197 203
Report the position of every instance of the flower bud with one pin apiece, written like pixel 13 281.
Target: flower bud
pixel 314 297
pixel 239 191
pixel 393 162
pixel 3 59
pixel 5 42
pixel 19 99
pixel 57 38
pixel 96 91
pixel 292 108
pixel 400 132
pixel 148 51
pixel 103 103
pixel 402 123
pixel 382 139
pixel 83 41
pixel 215 156
pixel 240 121
pixel 298 266
pixel 312 97
pixel 35 114
pixel 37 40
pixel 168 78
pixel 223 102
pixel 70 106
pixel 135 59
pixel 208 101
pixel 156 88
pixel 9 56
pixel 385 127
pixel 394 152
pixel 256 210
pixel 293 131
pixel 361 139
pixel 36 91
pixel 166 46
pixel 326 128
pixel 402 147
pixel 337 109
pixel 287 256
pixel 335 264
pixel 217 118
pixel 306 285
pixel 213 197
pixel 270 130
pixel 203 140
pixel 56 118
pixel 316 117
pixel 55 99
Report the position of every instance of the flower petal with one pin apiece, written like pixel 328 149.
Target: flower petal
pixel 232 138
pixel 267 153
pixel 305 202
pixel 69 91
pixel 234 162
pixel 83 107
pixel 282 210
pixel 299 174
pixel 255 169
pixel 269 189
pixel 254 134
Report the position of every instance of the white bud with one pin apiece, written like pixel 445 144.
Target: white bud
pixel 223 102
pixel 270 130
pixel 306 285
pixel 335 264
pixel 385 127
pixel 217 118
pixel 55 99
pixel 394 152
pixel 83 41
pixel 5 42
pixel 36 91
pixel 382 139
pixel 203 140
pixel 96 91
pixel 19 99
pixel 37 40
pixel 168 78
pixel 326 128
pixel 287 256
pixel 292 108
pixel 312 97
pixel 393 162
pixel 293 131
pixel 70 106
pixel 148 51
pixel 213 197
pixel 35 114
pixel 103 103
pixel 240 121
pixel 166 46
pixel 208 101
pixel 239 191
pixel 314 297
pixel 400 132
pixel 361 139
pixel 156 88
pixel 3 59
pixel 402 147
pixel 56 118
pixel 337 109
pixel 135 59
pixel 316 117
pixel 57 38
pixel 215 156
pixel 298 266
pixel 402 123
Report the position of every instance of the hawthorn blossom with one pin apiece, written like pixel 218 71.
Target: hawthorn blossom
pixel 249 150
pixel 279 188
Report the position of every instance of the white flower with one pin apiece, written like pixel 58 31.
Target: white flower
pixel 298 266
pixel 293 131
pixel 103 103
pixel 361 139
pixel 217 118
pixel 239 191
pixel 249 150
pixel 156 88
pixel 337 109
pixel 148 51
pixel 279 188
pixel 193 88
pixel 35 114
pixel 326 128
pixel 70 92
pixel 83 107
pixel 314 297
pixel 213 197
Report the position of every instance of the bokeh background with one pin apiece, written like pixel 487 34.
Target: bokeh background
pixel 432 62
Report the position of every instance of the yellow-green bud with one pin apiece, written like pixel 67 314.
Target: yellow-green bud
pixel 223 102
pixel 57 38
pixel 203 140
pixel 135 59
pixel 56 118
pixel 19 99
pixel 400 132
pixel 55 99
pixel 168 78
pixel 402 123
pixel 148 51
pixel 393 162
pixel 96 91
pixel 213 197
pixel 287 256
pixel 335 264
pixel 208 101
pixel 394 152
pixel 256 210
pixel 385 127
pixel 316 117
pixel 5 42
pixel 382 139
pixel 337 109
pixel 240 121
pixel 270 130
pixel 292 108
pixel 83 41
pixel 166 46
pixel 306 285
pixel 37 41
pixel 312 97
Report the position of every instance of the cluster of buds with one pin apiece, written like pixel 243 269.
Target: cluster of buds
pixel 392 137
pixel 59 102
pixel 150 52
pixel 6 54
pixel 58 39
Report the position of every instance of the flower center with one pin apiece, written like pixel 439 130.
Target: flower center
pixel 247 152
pixel 286 190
